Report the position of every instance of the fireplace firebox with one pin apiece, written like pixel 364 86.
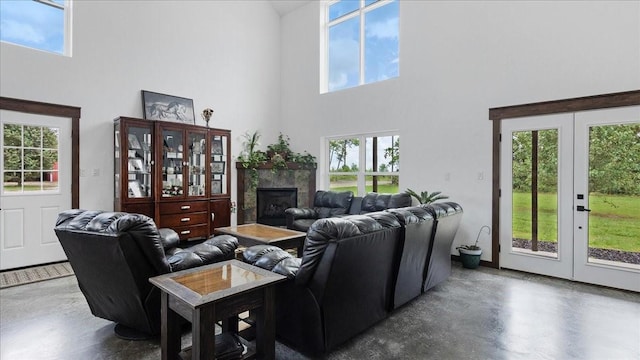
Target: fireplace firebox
pixel 271 204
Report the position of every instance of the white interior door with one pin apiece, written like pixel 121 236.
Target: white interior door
pixel 536 224
pixel 36 185
pixel 607 195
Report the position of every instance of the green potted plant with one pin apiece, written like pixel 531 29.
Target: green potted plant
pixel 251 157
pixel 470 254
pixel 426 197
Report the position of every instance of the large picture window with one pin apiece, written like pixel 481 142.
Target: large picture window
pixel 37 24
pixel 360 43
pixel 365 163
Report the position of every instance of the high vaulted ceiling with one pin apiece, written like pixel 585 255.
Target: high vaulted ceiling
pixel 285 6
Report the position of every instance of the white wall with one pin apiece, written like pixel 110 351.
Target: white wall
pixel 457 60
pixel 222 54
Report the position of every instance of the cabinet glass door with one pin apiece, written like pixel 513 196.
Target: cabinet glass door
pixel 218 164
pixel 139 162
pixel 197 163
pixel 172 163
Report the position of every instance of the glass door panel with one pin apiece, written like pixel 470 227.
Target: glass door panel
pixel 172 163
pixel 218 164
pixel 535 192
pixel 197 164
pixel 139 162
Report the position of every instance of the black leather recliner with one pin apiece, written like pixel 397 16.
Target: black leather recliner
pixel 113 255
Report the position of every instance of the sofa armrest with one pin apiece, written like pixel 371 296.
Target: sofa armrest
pixel 272 258
pixel 293 214
pixel 169 238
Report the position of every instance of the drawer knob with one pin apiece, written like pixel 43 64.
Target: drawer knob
pixel 185 207
pixel 185 232
pixel 185 219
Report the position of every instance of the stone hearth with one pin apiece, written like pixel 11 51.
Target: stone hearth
pixel 295 177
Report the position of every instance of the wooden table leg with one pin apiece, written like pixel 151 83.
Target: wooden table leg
pixel 266 326
pixel 203 336
pixel 170 330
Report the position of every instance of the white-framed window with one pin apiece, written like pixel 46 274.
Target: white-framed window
pixel 37 24
pixel 363 163
pixel 30 156
pixel 359 43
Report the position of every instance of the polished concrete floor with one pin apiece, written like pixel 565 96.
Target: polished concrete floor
pixel 476 314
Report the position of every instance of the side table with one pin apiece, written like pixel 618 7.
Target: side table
pixel 216 292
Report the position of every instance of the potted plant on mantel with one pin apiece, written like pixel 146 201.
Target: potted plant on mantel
pixel 278 153
pixel 470 254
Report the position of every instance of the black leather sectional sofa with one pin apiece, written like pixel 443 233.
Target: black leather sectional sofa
pixel 355 270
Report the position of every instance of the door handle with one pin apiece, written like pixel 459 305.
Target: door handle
pixel 582 208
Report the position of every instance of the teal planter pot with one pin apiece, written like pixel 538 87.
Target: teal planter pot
pixel 470 257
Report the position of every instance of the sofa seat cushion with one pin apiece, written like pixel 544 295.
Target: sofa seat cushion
pixel 215 249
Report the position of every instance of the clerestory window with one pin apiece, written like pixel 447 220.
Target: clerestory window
pixel 360 43
pixel 37 24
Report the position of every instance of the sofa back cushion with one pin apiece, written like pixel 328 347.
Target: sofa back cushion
pixel 378 202
pixel 141 229
pixel 332 203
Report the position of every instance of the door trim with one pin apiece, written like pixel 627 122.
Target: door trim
pixel 41 108
pixel 612 100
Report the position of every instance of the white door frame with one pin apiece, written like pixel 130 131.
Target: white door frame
pixel 71 112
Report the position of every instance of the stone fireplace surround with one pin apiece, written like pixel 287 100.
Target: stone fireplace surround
pixel 303 179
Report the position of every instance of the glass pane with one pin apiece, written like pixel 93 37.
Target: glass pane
pixel 50 160
pixel 12 159
pixel 344 183
pixel 535 192
pixel 32 159
pixel 344 54
pixel 382 154
pixel 381 43
pixel 50 138
pixel 44 24
pixel 218 148
pixel 50 181
pixel 614 194
pixel 197 164
pixel 32 181
pixel 12 135
pixel 172 157
pixel 387 184
pixel 344 155
pixel 32 136
pixel 342 8
pixel 12 181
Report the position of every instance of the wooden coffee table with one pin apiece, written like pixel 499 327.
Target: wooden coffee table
pixel 216 292
pixel 259 234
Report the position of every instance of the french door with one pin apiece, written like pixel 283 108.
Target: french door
pixel 570 194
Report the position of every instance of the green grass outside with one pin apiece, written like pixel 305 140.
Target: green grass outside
pixel 382 188
pixel 614 221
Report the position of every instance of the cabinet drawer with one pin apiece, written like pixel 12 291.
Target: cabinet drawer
pixel 189 219
pixel 192 232
pixel 183 207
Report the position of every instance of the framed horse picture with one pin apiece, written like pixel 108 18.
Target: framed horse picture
pixel 167 108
